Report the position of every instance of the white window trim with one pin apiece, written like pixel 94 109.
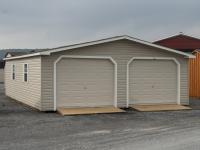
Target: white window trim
pixel 26 72
pixel 13 72
pixel 85 57
pixel 153 58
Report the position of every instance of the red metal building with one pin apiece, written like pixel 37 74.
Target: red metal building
pixel 180 42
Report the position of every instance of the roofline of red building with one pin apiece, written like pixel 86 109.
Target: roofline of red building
pixel 180 34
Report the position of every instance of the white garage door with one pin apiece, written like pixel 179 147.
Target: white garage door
pixel 85 82
pixel 152 81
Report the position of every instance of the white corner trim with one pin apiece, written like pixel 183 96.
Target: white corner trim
pixel 153 58
pixel 84 57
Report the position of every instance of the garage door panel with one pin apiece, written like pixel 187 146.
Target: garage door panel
pixel 85 83
pixel 152 81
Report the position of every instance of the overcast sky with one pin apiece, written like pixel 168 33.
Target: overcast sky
pixel 52 23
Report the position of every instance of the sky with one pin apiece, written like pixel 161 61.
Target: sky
pixel 53 23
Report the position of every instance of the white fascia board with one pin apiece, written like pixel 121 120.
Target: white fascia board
pixel 116 39
pixel 24 56
pixel 125 37
pixel 83 45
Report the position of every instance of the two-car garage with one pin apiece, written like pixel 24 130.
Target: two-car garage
pixel 90 82
pixel 117 72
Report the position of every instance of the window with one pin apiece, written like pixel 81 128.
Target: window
pixel 25 72
pixel 13 72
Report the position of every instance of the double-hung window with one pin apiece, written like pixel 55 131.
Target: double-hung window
pixel 13 72
pixel 25 72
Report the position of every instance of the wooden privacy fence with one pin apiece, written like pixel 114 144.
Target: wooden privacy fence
pixel 194 69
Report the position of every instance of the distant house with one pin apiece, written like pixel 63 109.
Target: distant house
pixel 13 54
pixel 118 71
pixel 180 42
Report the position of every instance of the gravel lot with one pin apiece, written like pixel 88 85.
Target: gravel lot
pixel 24 129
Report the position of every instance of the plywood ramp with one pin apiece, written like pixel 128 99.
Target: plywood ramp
pixel 160 107
pixel 84 111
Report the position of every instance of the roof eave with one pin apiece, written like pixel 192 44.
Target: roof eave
pixel 116 39
pixel 101 42
pixel 191 56
pixel 25 56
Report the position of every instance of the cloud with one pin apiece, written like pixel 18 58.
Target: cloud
pixel 50 23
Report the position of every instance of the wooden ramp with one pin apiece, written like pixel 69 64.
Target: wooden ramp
pixel 84 111
pixel 160 107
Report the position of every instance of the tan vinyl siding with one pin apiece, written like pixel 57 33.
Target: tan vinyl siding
pixel 185 82
pixel 25 92
pixel 121 51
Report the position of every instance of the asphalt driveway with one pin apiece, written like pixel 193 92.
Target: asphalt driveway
pixel 22 128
